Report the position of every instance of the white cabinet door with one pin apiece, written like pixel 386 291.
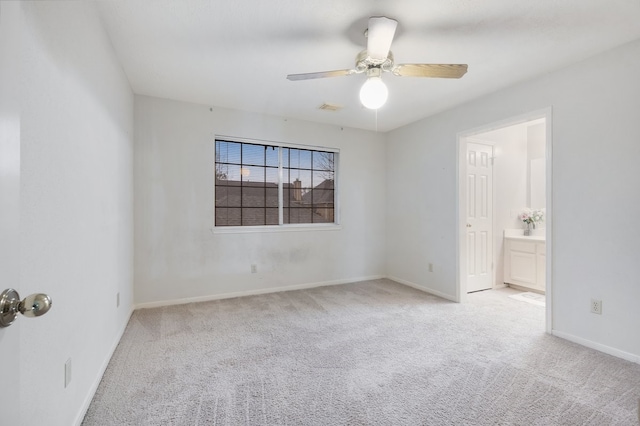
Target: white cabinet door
pixel 525 263
pixel 523 267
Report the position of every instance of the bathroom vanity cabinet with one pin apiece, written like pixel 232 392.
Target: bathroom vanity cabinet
pixel 525 262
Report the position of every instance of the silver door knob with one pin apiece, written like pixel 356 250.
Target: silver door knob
pixel 33 305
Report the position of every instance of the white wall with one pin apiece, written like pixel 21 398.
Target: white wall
pixel 511 179
pixel 595 178
pixel 536 164
pixel 76 205
pixel 536 141
pixel 176 254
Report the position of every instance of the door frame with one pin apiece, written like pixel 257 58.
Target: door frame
pixel 11 393
pixel 461 207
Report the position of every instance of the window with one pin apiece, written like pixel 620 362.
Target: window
pixel 250 192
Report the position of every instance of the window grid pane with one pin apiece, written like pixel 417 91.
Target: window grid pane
pixel 246 185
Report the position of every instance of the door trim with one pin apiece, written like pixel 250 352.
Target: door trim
pixel 11 364
pixel 461 246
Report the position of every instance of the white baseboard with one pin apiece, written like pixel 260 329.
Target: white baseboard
pixel 94 387
pixel 251 292
pixel 597 346
pixel 426 290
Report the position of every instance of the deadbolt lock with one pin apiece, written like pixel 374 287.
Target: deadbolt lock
pixel 33 305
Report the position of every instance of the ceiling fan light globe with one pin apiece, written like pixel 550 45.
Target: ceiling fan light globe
pixel 373 93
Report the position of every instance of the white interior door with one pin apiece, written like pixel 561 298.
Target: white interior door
pixel 9 205
pixel 479 226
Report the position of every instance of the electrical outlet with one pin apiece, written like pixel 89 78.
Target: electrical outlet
pixel 254 269
pixel 596 306
pixel 67 372
pixel 118 300
pixel 431 267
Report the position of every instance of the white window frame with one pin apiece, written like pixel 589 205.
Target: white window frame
pixel 286 227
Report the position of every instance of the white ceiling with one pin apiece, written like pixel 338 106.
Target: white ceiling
pixel 236 54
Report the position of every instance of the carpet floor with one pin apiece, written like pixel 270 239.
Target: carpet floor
pixel 368 353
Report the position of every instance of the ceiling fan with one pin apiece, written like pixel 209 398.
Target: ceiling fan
pixel 377 58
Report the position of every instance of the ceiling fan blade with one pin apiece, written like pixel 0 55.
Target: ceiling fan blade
pixel 379 36
pixel 430 70
pixel 323 74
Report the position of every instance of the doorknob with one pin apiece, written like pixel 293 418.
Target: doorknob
pixel 33 305
pixel 468 225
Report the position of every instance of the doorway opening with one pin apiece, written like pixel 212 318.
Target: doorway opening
pixel 504 192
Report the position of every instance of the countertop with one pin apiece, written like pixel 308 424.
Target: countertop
pixel 517 234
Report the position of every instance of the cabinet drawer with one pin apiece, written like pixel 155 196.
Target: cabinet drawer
pixel 522 246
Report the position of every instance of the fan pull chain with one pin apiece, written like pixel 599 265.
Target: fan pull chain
pixel 376 121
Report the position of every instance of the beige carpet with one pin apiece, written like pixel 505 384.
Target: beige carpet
pixel 370 353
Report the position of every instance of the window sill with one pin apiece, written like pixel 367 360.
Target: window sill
pixel 275 228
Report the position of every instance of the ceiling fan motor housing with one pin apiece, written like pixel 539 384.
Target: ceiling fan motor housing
pixel 365 62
